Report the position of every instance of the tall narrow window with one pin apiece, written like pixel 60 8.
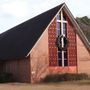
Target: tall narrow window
pixel 62 31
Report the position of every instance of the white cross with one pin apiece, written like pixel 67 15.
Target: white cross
pixel 62 33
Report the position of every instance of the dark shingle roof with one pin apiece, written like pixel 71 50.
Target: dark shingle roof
pixel 18 41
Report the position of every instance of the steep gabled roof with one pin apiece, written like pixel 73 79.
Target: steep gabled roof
pixel 18 41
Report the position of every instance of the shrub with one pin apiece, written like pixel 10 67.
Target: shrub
pixel 64 77
pixel 51 78
pixel 6 77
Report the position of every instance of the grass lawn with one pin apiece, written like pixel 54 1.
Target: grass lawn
pixel 74 85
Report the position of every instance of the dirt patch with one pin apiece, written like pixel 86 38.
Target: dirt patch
pixel 79 85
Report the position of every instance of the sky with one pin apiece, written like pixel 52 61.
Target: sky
pixel 14 12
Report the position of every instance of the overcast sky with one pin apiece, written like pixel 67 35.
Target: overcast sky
pixel 14 12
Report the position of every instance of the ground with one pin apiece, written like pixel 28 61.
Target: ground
pixel 81 85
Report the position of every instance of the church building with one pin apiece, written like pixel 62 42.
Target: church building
pixel 50 43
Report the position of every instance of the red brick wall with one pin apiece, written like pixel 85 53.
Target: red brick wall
pixel 19 68
pixel 72 49
pixel 52 45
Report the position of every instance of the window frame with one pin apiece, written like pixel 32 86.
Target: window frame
pixel 62 21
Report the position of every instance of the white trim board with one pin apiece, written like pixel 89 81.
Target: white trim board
pixel 44 31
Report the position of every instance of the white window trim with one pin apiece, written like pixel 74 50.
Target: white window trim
pixel 62 33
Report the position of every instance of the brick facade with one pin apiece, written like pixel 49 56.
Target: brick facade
pixel 39 58
pixel 43 57
pixel 83 57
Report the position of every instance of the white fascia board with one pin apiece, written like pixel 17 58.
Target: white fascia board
pixel 45 30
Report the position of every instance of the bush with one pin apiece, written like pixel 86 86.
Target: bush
pixel 64 77
pixel 6 77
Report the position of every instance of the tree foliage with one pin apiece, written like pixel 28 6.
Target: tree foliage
pixel 84 23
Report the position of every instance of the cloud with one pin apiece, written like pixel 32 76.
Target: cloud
pixel 15 8
pixel 39 6
pixel 13 12
pixel 26 8
pixel 79 7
